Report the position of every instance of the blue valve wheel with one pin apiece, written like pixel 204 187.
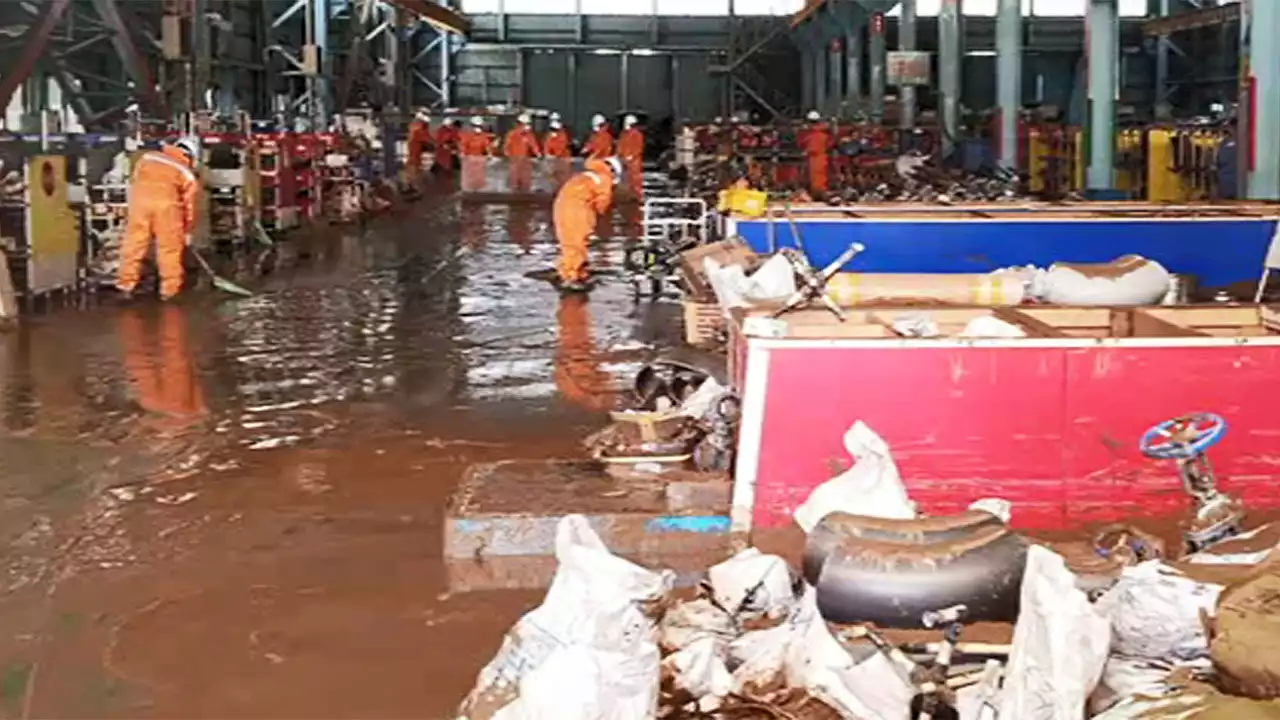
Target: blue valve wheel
pixel 1183 438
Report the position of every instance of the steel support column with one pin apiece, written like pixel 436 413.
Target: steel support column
pixel 1102 34
pixel 907 41
pixel 835 79
pixel 624 73
pixel 319 87
pixel 853 47
pixel 1009 78
pixel 877 53
pixel 807 81
pixel 1261 26
pixel 950 57
pixel 819 60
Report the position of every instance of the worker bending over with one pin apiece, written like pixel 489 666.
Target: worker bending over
pixel 600 145
pixel 162 204
pixel 631 150
pixel 816 142
pixel 578 206
pixel 476 144
pixel 418 141
pixel 446 142
pixel 521 147
pixel 559 148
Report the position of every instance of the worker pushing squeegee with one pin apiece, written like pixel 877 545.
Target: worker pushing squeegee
pixel 162 204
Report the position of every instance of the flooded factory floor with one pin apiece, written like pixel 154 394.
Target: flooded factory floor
pixel 233 508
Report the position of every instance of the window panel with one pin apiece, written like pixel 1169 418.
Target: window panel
pixel 1061 8
pixel 1133 8
pixel 924 8
pixel 767 7
pixel 692 7
pixel 539 7
pixel 613 7
pixel 479 7
pixel 980 7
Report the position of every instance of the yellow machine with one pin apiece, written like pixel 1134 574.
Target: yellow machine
pixel 1131 162
pixel 53 228
pixel 1182 163
pixel 1054 160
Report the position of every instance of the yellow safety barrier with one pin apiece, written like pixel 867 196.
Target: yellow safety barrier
pixel 743 201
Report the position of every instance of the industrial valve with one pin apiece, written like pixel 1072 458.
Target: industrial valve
pixel 1185 440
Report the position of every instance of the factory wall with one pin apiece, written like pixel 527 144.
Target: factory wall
pixel 572 64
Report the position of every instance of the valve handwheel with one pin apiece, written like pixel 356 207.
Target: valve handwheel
pixel 1183 438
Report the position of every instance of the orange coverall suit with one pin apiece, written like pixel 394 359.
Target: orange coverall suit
pixel 578 206
pixel 520 147
pixel 446 146
pixel 162 204
pixel 476 145
pixel 578 375
pixel 599 145
pixel 817 146
pixel 558 147
pixel 631 150
pixel 419 139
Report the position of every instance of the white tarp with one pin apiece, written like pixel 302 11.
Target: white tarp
pixel 872 487
pixel 1059 645
pixel 587 652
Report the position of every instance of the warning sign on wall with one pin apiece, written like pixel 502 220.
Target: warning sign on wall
pixel 908 67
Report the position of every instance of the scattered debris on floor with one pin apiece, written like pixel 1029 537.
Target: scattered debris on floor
pixel 1152 636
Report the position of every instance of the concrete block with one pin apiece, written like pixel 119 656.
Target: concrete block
pixel 511 508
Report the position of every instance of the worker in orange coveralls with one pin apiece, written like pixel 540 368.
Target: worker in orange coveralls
pixel 600 145
pixel 559 147
pixel 476 144
pixel 816 143
pixel 419 139
pixel 578 206
pixel 631 150
pixel 446 142
pixel 162 204
pixel 521 147
pixel 577 364
pixel 162 372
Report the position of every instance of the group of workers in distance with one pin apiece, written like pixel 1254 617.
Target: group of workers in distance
pixel 164 185
pixel 580 200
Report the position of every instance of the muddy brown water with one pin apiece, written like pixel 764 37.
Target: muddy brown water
pixel 233 507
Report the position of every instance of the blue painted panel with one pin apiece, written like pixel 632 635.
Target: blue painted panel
pixel 689 523
pixel 1217 252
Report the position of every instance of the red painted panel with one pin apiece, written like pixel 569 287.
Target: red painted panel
pixel 963 423
pixel 1115 393
pixel 1053 430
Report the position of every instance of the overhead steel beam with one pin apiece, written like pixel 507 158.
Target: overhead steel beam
pixel 135 63
pixel 1205 17
pixel 441 17
pixel 34 48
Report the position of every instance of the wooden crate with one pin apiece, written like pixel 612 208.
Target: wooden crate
pixel 704 323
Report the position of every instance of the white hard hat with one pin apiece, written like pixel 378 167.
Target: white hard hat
pixel 423 114
pixel 616 166
pixel 555 124
pixel 597 120
pixel 477 121
pixel 524 118
pixel 555 116
pixel 189 145
pixel 130 143
pixel 813 116
pixel 718 120
pixel 629 121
